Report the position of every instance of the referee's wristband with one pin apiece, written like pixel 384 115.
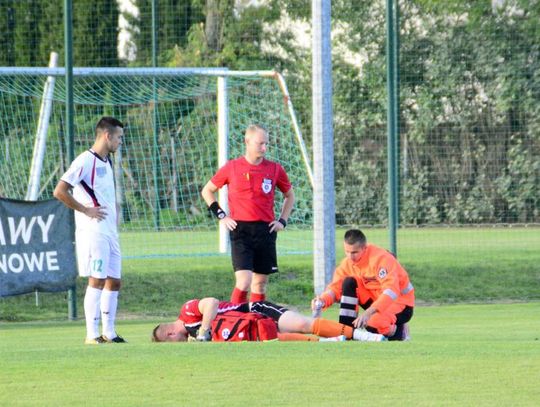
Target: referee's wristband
pixel 283 222
pixel 216 210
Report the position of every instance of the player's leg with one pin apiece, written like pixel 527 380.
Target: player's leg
pixel 242 283
pixel 295 337
pixel 109 297
pixel 258 287
pixel 294 322
pixel 402 329
pixel 88 259
pixel 242 261
pixel 385 322
pixel 92 309
pixel 353 295
pixel 348 306
pixel 264 261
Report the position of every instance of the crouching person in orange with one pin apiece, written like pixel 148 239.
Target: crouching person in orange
pixel 196 317
pixel 371 278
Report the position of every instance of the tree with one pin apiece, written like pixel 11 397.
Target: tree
pixel 23 17
pixel 95 33
pixel 51 32
pixel 7 25
pixel 175 18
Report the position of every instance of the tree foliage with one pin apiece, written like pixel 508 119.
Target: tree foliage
pixel 469 88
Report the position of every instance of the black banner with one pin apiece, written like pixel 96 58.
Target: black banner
pixel 37 250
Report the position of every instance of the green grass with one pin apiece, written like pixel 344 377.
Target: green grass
pixel 446 266
pixel 473 355
pixel 460 355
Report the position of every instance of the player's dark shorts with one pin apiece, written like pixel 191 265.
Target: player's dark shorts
pixel 267 308
pixel 253 247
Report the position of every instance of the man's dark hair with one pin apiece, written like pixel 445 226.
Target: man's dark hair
pixel 108 124
pixel 354 236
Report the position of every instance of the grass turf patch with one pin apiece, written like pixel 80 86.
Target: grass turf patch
pixel 446 265
pixel 480 355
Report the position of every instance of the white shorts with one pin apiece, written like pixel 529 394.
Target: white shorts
pixel 98 255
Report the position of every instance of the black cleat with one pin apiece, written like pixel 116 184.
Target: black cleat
pixel 116 339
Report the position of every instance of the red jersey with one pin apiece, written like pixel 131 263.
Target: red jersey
pixel 192 317
pixel 252 188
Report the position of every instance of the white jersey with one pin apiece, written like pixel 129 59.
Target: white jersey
pixel 92 180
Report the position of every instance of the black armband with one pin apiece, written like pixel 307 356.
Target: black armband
pixel 283 222
pixel 216 210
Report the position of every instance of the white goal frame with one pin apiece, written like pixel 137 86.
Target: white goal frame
pixel 221 75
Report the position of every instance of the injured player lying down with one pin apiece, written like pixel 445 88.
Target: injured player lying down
pixel 196 317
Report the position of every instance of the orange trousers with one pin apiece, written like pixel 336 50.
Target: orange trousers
pixel 385 322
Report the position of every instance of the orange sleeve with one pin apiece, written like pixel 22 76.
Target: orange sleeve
pixel 387 274
pixel 333 291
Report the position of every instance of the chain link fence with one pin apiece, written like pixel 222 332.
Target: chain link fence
pixel 469 89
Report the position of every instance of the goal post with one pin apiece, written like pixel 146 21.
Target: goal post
pixel 201 116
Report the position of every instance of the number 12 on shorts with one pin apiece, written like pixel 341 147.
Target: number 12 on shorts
pixel 97 266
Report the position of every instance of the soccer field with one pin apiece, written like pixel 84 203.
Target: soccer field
pixel 474 355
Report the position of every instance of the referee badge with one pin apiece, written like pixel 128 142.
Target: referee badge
pixel 266 185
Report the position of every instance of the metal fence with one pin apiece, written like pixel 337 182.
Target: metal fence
pixel 469 88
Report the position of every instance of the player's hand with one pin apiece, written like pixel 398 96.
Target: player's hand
pixel 275 226
pixel 317 304
pixel 229 223
pixel 98 212
pixel 363 318
pixel 316 307
pixel 204 335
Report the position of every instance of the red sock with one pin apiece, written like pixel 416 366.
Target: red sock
pixel 238 296
pixel 254 297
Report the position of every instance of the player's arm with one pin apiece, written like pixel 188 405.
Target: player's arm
pixel 333 291
pixel 286 209
pixel 208 193
pixel 208 307
pixel 390 292
pixel 389 280
pixel 62 192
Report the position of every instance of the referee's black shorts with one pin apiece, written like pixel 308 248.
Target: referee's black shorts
pixel 253 247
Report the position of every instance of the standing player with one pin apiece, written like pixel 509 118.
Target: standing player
pixel 371 277
pixel 252 181
pixel 90 179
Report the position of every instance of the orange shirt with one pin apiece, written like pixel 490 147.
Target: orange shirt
pixel 379 274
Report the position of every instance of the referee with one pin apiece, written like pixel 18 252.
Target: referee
pixel 252 181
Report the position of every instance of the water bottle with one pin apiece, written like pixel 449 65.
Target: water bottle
pixel 318 308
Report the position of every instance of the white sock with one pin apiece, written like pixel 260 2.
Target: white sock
pixel 360 334
pixel 109 303
pixel 92 311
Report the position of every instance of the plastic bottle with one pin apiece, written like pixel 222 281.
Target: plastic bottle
pixel 318 309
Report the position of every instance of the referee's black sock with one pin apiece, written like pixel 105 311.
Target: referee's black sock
pixel 349 302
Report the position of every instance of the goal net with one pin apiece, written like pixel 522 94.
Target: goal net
pixel 173 119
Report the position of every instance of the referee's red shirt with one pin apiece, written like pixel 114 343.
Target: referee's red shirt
pixel 252 188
